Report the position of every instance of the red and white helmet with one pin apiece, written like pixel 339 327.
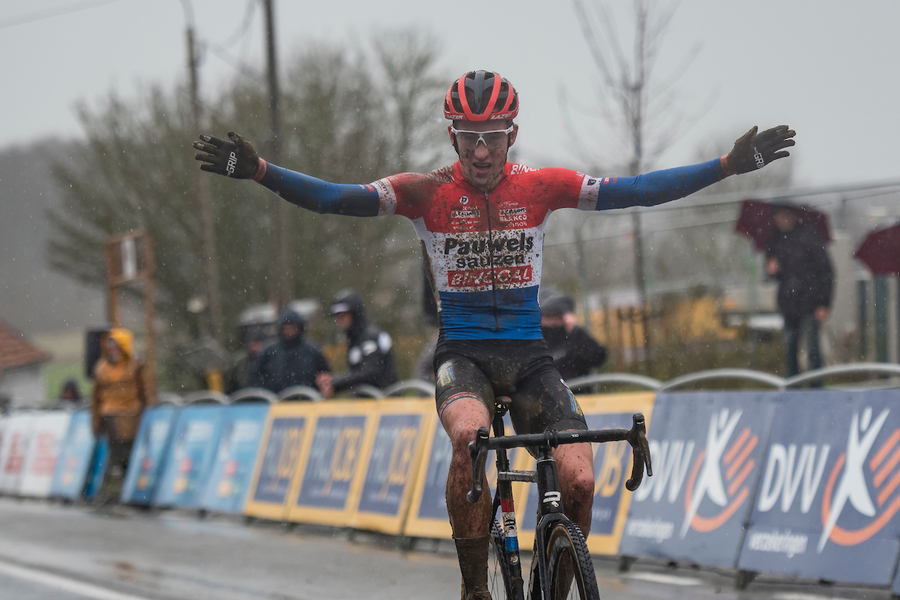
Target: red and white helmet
pixel 481 96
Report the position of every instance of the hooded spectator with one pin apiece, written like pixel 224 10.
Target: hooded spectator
pixel 290 360
pixel 117 401
pixel 368 348
pixel 573 349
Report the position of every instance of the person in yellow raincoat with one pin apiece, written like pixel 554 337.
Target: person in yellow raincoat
pixel 117 401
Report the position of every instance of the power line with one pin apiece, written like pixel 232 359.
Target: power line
pixel 49 13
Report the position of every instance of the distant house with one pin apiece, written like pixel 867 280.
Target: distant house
pixel 21 371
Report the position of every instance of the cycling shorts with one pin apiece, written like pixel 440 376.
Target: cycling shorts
pixel 520 369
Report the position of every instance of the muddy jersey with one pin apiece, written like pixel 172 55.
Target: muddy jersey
pixel 484 251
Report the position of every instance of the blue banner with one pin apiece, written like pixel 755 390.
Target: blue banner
pixel 97 469
pixel 280 460
pixel 148 455
pixel 708 451
pixel 192 448
pixel 390 464
pixel 74 458
pixel 333 460
pixel 830 491
pixel 433 501
pixel 229 480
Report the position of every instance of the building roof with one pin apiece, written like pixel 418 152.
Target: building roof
pixel 15 351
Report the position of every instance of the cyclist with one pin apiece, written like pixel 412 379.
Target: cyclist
pixel 481 226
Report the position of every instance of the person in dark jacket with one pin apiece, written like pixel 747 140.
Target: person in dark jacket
pixel 290 360
pixel 241 371
pixel 797 258
pixel 573 349
pixel 368 348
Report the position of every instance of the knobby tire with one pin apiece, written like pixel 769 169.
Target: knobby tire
pixel 567 552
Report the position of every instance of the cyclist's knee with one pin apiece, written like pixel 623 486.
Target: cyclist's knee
pixel 581 485
pixel 577 472
pixel 461 416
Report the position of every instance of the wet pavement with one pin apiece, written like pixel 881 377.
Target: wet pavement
pixel 74 552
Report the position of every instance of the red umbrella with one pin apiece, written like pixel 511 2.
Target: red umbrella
pixel 880 251
pixel 757 223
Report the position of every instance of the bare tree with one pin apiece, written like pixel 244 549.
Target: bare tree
pixel 638 108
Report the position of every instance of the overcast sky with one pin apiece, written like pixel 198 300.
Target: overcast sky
pixel 828 68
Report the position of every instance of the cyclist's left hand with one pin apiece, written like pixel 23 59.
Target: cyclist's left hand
pixel 755 150
pixel 236 158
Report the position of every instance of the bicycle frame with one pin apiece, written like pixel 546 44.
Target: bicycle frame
pixel 546 476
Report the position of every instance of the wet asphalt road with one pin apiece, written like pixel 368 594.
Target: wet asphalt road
pixel 51 551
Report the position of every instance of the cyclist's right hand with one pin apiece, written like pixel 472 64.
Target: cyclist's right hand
pixel 236 158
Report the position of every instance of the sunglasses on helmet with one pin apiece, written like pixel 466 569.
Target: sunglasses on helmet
pixel 491 139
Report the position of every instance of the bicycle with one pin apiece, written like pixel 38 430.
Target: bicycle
pixel 560 553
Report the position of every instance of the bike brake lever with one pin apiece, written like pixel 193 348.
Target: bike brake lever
pixel 641 452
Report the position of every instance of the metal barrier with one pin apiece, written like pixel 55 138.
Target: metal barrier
pixel 206 397
pixel 364 390
pixel 849 369
pixel 253 394
pixel 422 388
pixel 579 383
pixel 299 392
pixel 714 374
pixel 169 399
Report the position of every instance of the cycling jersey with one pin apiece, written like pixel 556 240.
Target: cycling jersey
pixel 484 251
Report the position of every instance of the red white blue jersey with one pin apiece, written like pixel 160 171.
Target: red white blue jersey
pixel 484 251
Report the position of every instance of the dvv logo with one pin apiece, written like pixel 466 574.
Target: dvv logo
pixel 865 479
pixel 721 473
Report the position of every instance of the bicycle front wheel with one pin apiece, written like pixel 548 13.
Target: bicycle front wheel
pixel 569 564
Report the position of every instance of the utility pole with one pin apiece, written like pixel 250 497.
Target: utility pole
pixel 210 261
pixel 640 279
pixel 280 276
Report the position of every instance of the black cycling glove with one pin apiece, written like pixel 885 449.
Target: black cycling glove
pixel 755 150
pixel 236 158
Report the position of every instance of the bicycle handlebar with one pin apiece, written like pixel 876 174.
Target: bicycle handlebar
pixel 636 437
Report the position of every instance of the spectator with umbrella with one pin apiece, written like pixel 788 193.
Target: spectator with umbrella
pixel 794 238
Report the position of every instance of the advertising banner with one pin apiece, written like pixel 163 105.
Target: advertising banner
pixel 284 446
pixel 331 476
pixel 17 438
pixel 192 448
pixel 46 442
pixel 74 457
pixel 229 479
pixel 708 450
pixel 612 467
pixel 828 497
pixel 428 509
pixel 391 465
pixel 97 468
pixel 148 455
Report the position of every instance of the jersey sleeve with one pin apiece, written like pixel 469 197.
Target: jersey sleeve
pixel 398 194
pixel 321 196
pixel 651 189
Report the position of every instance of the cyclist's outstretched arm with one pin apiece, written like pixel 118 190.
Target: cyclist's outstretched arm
pixel 238 159
pixel 751 151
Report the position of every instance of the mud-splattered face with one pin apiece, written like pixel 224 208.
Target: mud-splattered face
pixel 482 163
